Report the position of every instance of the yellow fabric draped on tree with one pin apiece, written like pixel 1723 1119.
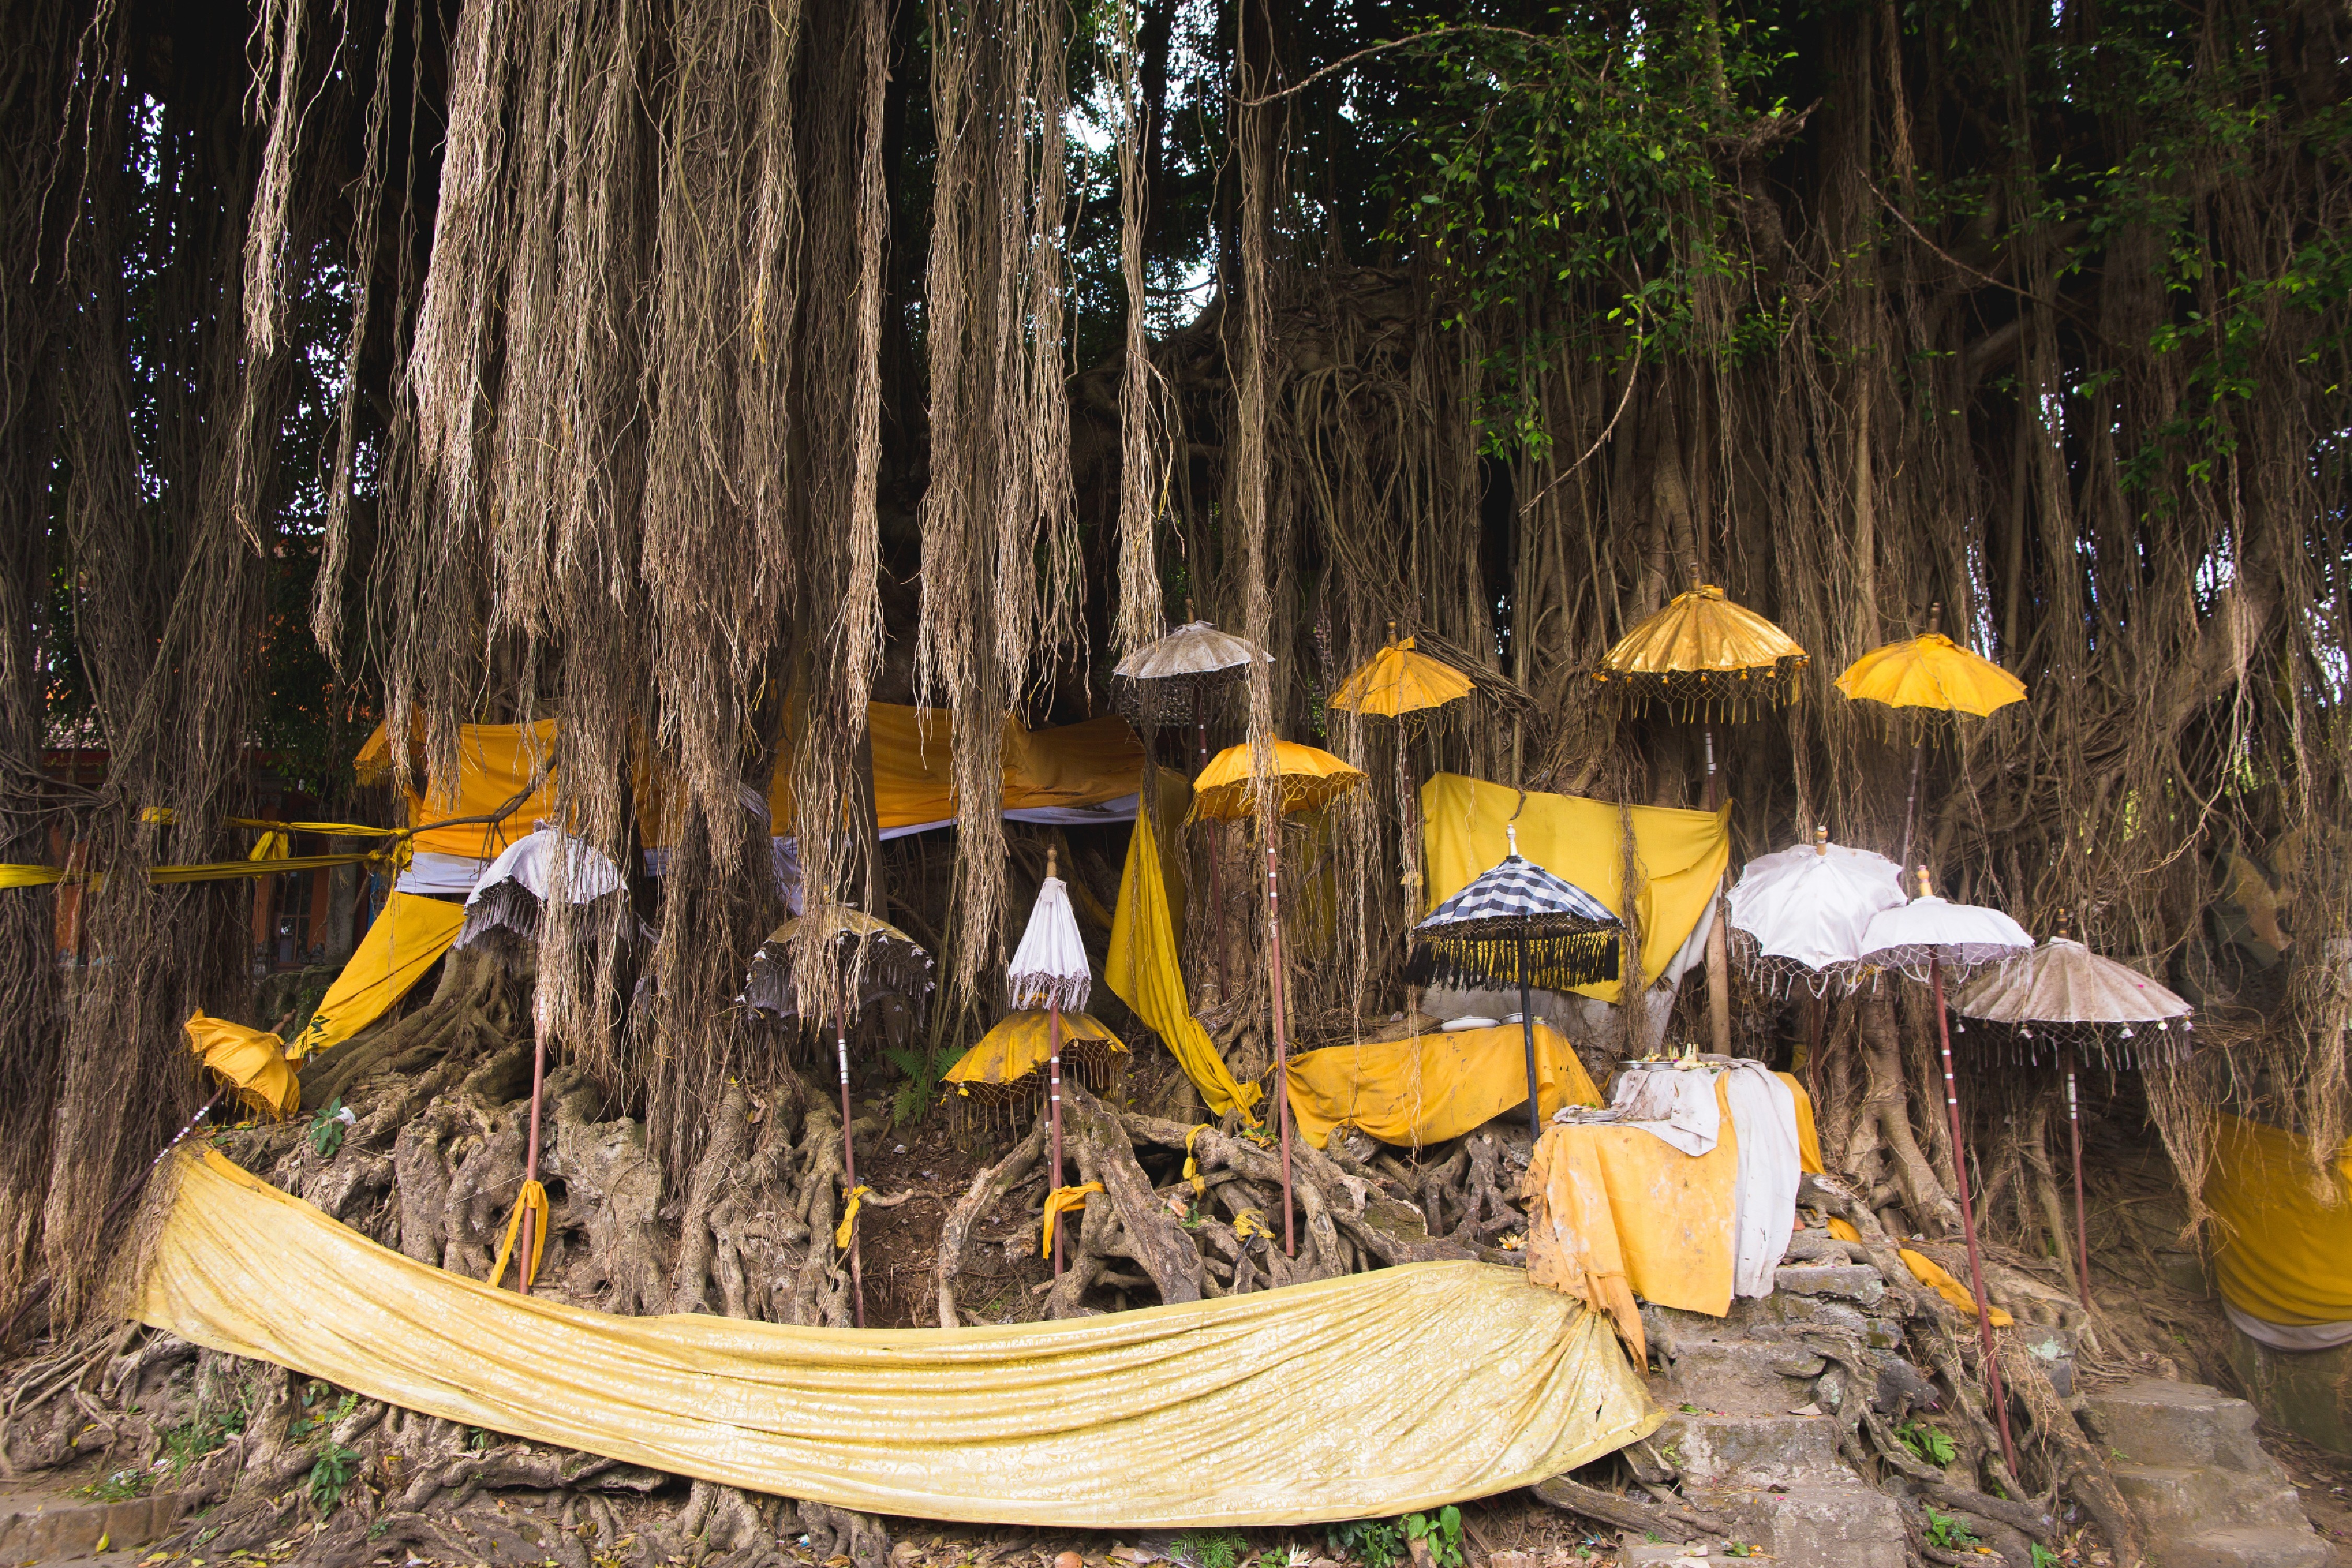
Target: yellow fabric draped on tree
pixel 1142 970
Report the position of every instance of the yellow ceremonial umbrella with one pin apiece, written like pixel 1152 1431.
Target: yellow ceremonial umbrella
pixel 1005 1063
pixel 1397 684
pixel 1708 655
pixel 1304 777
pixel 1926 676
pixel 250 1062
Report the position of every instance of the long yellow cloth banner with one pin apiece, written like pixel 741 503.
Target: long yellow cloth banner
pixel 1681 855
pixel 1348 1398
pixel 1142 970
pixel 1424 1090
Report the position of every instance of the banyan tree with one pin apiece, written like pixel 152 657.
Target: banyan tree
pixel 696 375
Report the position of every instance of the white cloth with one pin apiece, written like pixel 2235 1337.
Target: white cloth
pixel 441 876
pixel 1764 1203
pixel 540 859
pixel 2289 1336
pixel 1674 1105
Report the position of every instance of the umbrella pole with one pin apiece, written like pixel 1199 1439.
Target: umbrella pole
pixel 1969 1219
pixel 526 1234
pixel 1281 1036
pixel 1718 958
pixel 1527 1032
pixel 1918 750
pixel 1216 833
pixel 848 1155
pixel 1053 1100
pixel 2082 1221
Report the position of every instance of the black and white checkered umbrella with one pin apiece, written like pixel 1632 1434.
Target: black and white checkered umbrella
pixel 1518 924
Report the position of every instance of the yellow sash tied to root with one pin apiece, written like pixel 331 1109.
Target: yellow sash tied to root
pixel 1193 1165
pixel 532 1201
pixel 1059 1199
pixel 848 1226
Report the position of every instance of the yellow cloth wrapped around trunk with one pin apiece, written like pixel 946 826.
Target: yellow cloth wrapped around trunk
pixel 1363 1397
pixel 406 938
pixel 1422 1090
pixel 2283 1242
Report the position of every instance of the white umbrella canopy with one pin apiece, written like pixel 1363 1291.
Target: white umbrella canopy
pixel 1807 907
pixel 544 863
pixel 1049 969
pixel 1961 938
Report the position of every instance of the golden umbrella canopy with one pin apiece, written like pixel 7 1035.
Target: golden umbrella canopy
pixel 1398 681
pixel 1704 652
pixel 250 1063
pixel 1007 1061
pixel 1304 777
pixel 1931 674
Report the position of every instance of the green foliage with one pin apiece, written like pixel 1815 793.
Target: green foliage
pixel 332 1471
pixel 1212 1548
pixel 922 1066
pixel 1930 1444
pixel 1440 1532
pixel 119 1486
pixel 205 1432
pixel 326 1129
pixel 1946 1533
pixel 1374 1542
pixel 2043 1557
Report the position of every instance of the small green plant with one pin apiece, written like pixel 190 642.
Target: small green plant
pixel 1930 1444
pixel 326 1129
pixel 1212 1548
pixel 119 1486
pixel 330 1474
pixel 2043 1557
pixel 1441 1533
pixel 1946 1533
pixel 922 1067
pixel 1374 1542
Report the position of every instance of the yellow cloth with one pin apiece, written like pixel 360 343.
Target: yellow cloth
pixel 914 749
pixel 1304 777
pixel 1683 855
pixel 848 1226
pixel 1572 1244
pixel 1021 1045
pixel 402 943
pixel 1396 1391
pixel 1141 970
pixel 2279 1252
pixel 1058 1201
pixel 1670 1213
pixel 250 1062
pixel 1932 672
pixel 1422 1090
pixel 530 1200
pixel 1249 1222
pixel 273 845
pixel 1191 1165
pixel 19 874
pixel 495 762
pixel 1932 1275
pixel 1809 1138
pixel 1398 681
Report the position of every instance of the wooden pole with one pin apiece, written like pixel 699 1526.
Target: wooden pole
pixel 2082 1221
pixel 1054 1084
pixel 1967 1211
pixel 1718 957
pixel 1216 830
pixel 1919 750
pixel 848 1148
pixel 1528 1032
pixel 1281 1034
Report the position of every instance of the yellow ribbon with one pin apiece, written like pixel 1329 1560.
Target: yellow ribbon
pixel 1059 1199
pixel 21 876
pixel 162 816
pixel 272 846
pixel 1193 1166
pixel 531 1200
pixel 1248 1223
pixel 848 1218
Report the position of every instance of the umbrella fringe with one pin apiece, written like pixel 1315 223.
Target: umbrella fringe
pixel 1555 962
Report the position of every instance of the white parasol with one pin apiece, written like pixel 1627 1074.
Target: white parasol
pixel 1049 970
pixel 1932 933
pixel 1804 910
pixel 544 863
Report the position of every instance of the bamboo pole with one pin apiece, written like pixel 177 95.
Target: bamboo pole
pixel 1054 1081
pixel 1281 1034
pixel 848 1148
pixel 1968 1210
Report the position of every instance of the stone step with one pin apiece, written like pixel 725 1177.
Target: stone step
pixel 2178 1426
pixel 2180 1500
pixel 1856 1283
pixel 52 1532
pixel 2251 1547
pixel 1740 1377
pixel 1830 1521
pixel 1711 1450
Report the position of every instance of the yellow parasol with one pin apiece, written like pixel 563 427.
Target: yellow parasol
pixel 1708 657
pixel 999 1067
pixel 1304 777
pixel 250 1062
pixel 1704 653
pixel 1927 675
pixel 1397 684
